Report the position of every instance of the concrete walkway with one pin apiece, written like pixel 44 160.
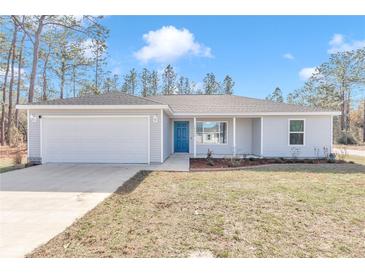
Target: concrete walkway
pixel 176 162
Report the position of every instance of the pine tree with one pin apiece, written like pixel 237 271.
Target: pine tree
pixel 211 86
pixel 130 82
pixel 228 85
pixel 180 85
pixel 169 80
pixel 154 82
pixel 276 96
pixel 146 82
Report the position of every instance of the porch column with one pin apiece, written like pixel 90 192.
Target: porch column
pixel 234 136
pixel 262 136
pixel 194 136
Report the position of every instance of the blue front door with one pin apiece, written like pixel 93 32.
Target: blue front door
pixel 181 133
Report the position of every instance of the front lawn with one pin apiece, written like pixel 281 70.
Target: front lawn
pixel 276 211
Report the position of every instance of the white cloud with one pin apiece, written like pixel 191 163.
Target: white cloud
pixel 168 44
pixel 338 44
pixel 306 73
pixel 288 56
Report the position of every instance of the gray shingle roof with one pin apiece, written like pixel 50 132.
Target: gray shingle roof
pixel 186 103
pixel 112 98
pixel 225 104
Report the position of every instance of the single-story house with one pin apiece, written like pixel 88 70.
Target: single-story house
pixel 121 128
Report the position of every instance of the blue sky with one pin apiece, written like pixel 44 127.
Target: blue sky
pixel 259 52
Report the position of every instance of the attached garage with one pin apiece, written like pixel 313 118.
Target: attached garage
pixel 95 139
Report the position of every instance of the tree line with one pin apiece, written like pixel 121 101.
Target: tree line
pixel 40 56
pixel 337 84
pixel 168 82
pixel 45 57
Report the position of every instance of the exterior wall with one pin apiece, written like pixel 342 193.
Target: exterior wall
pixel 256 136
pixel 243 136
pixel 166 136
pixel 317 134
pixel 35 136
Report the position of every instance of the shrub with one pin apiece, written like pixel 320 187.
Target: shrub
pixel 342 139
pixel 18 158
pixel 234 162
pixel 16 137
pixel 209 157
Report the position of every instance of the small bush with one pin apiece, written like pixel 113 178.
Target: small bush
pixel 16 137
pixel 234 162
pixel 209 157
pixel 342 139
pixel 18 158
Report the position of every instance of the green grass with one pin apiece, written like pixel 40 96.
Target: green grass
pixel 277 211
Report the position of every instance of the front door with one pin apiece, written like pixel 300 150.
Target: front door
pixel 181 133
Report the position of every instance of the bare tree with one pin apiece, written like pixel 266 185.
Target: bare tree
pixel 2 129
pixel 46 54
pixel 363 123
pixel 11 83
pixel 92 27
pixel 20 64
pixel 40 23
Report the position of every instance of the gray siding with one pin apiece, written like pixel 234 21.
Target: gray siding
pixel 317 135
pixel 34 128
pixel 256 136
pixel 166 136
pixel 243 136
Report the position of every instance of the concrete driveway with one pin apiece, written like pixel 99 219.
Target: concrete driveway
pixel 39 202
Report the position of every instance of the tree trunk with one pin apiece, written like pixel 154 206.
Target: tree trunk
pixel 20 62
pixel 342 110
pixel 363 124
pixel 11 84
pixel 96 70
pixel 74 80
pixel 63 67
pixel 2 128
pixel 44 76
pixel 33 74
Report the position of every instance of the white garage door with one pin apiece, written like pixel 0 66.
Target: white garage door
pixel 83 139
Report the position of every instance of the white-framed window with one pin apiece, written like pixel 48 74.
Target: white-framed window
pixel 296 132
pixel 211 132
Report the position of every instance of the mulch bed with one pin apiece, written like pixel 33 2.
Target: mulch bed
pixel 236 163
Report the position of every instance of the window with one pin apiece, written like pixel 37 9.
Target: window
pixel 296 132
pixel 211 132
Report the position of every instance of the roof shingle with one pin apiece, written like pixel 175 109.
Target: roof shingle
pixel 112 98
pixel 187 103
pixel 225 104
